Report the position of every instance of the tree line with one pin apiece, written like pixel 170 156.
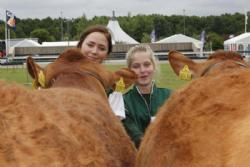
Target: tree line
pixel 139 27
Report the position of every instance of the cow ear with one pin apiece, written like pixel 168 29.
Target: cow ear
pixel 34 69
pixel 128 76
pixel 178 61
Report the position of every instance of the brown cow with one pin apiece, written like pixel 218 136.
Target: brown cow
pixel 61 127
pixel 206 123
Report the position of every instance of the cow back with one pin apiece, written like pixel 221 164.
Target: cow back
pixel 206 123
pixel 60 127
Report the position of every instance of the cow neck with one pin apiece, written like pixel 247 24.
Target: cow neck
pixel 206 71
pixel 82 73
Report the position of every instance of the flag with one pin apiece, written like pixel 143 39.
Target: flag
pixel 10 19
pixel 153 36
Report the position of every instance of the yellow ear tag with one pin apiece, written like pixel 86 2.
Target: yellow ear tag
pixel 120 85
pixel 41 78
pixel 34 86
pixel 185 74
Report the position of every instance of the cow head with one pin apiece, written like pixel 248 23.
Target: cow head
pixel 220 61
pixel 72 69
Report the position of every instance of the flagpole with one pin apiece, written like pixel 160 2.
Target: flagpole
pixel 201 49
pixel 6 35
pixel 8 40
pixel 202 42
pixel 246 17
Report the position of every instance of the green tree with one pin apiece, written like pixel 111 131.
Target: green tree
pixel 2 30
pixel 145 38
pixel 42 35
pixel 80 25
pixel 128 24
pixel 162 26
pixel 215 40
pixel 53 26
pixel 141 24
pixel 138 27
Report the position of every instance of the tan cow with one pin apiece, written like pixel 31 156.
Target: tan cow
pixel 64 127
pixel 206 123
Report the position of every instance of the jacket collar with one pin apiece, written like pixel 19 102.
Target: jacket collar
pixel 153 87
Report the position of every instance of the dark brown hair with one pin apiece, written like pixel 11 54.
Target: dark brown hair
pixel 97 28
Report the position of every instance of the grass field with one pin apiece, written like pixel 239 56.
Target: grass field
pixel 166 77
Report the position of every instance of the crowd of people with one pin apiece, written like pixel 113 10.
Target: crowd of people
pixel 137 106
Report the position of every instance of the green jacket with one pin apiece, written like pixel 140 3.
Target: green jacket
pixel 138 113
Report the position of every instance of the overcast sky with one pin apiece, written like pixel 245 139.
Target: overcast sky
pixel 76 8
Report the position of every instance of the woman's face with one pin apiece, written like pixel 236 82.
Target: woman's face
pixel 95 47
pixel 143 67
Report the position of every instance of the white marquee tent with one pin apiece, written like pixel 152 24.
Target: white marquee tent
pixel 23 43
pixel 26 43
pixel 180 38
pixel 118 35
pixel 238 43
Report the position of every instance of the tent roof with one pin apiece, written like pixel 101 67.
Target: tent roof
pixel 23 43
pixel 178 38
pixel 118 35
pixel 60 43
pixel 14 41
pixel 26 43
pixel 242 38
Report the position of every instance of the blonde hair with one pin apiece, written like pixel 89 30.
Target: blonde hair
pixel 142 48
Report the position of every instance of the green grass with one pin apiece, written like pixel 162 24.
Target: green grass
pixel 14 74
pixel 166 77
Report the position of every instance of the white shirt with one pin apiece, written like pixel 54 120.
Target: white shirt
pixel 117 104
